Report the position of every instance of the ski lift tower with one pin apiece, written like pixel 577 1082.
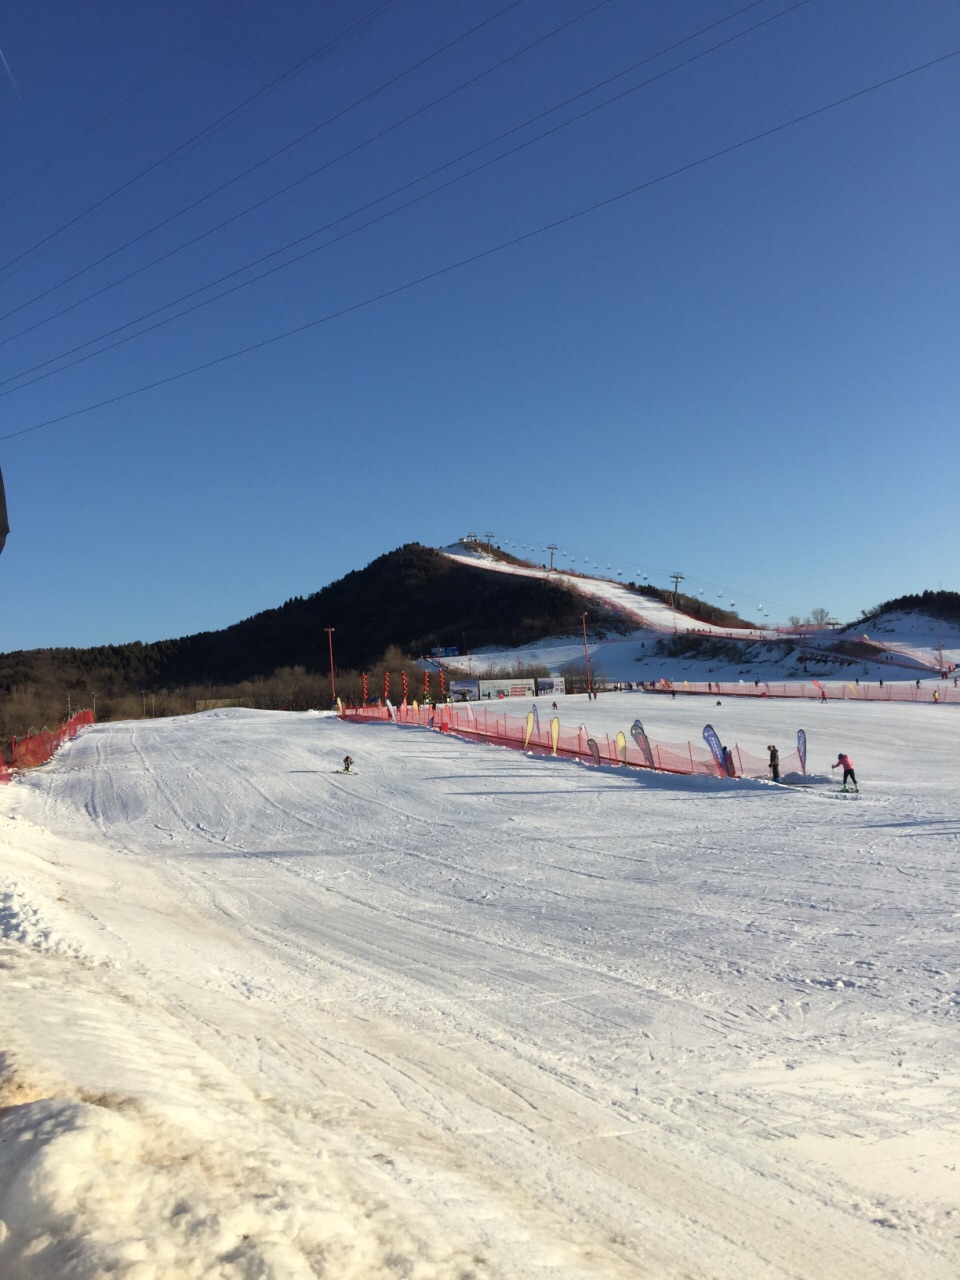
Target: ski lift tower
pixel 676 579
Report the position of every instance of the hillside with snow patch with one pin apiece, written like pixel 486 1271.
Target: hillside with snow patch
pixel 898 646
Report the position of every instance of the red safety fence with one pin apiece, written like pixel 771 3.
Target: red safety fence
pixel 37 748
pixel 506 730
pixel 819 691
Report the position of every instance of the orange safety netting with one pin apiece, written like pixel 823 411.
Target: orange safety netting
pixel 37 748
pixel 821 691
pixel 481 724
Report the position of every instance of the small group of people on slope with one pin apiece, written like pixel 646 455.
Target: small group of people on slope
pixel 843 761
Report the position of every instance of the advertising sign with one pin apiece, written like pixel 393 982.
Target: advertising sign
pixel 464 690
pixel 550 686
pixel 509 688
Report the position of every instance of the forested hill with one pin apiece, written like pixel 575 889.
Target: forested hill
pixel 414 598
pixel 944 605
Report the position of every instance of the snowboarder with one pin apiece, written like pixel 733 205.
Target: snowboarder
pixel 347 762
pixel 848 775
pixel 774 762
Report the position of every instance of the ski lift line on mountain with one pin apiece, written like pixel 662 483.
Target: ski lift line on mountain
pixel 588 562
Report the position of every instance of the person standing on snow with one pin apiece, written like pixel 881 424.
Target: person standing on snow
pixel 347 762
pixel 774 763
pixel 848 774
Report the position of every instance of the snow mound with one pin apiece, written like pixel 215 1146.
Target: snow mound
pixel 23 923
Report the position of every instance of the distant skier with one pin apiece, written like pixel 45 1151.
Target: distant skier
pixel 848 775
pixel 774 763
pixel 728 763
pixel 347 763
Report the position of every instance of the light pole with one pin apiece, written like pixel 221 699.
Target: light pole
pixel 586 656
pixel 333 687
pixel 94 697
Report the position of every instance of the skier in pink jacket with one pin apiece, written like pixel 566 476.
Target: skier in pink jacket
pixel 848 773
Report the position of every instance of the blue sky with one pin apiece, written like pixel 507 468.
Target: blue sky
pixel 744 369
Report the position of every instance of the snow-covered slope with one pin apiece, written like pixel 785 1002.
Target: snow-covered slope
pixel 652 614
pixel 898 646
pixel 468 1014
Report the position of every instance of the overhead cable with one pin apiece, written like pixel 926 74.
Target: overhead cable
pixel 483 253
pixel 379 199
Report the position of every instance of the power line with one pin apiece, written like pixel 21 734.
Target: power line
pixel 486 253
pixel 359 146
pixel 124 102
pixel 370 204
pixel 157 226
pixel 197 137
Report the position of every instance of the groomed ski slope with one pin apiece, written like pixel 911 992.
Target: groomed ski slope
pixel 647 612
pixel 915 643
pixel 471 1014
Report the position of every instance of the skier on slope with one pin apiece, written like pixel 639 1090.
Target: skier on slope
pixel 347 762
pixel 774 763
pixel 847 764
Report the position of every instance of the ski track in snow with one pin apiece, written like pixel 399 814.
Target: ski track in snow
pixel 474 1014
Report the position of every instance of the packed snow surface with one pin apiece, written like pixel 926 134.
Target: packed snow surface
pixel 467 1013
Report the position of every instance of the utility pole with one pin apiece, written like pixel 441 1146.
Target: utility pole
pixel 676 578
pixel 551 547
pixel 333 688
pixel 586 656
